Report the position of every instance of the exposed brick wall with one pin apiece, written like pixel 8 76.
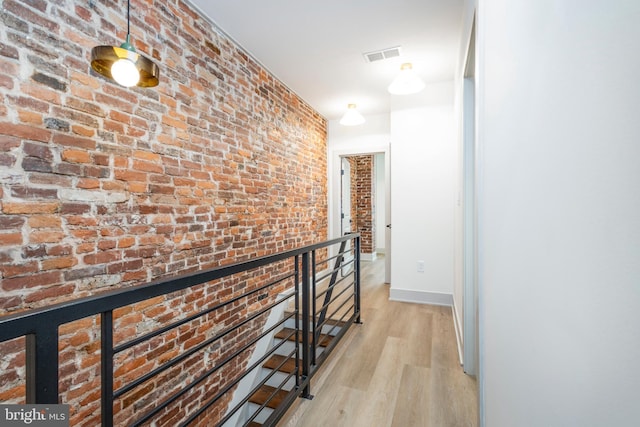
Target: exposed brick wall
pixel 103 187
pixel 362 180
pixel 365 202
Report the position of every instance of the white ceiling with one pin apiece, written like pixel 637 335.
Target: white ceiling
pixel 316 47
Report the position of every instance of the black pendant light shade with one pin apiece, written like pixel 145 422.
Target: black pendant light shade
pixel 123 64
pixel 103 59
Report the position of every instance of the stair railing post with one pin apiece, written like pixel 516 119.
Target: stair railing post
pixel 41 356
pixel 314 321
pixel 106 369
pixel 357 279
pixel 306 319
pixel 297 318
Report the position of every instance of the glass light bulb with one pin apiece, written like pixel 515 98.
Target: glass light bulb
pixel 352 117
pixel 125 72
pixel 407 82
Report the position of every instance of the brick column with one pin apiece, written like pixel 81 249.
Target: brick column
pixel 365 204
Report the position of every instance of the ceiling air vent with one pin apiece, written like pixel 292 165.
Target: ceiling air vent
pixel 379 55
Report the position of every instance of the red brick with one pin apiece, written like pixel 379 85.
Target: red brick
pixel 136 276
pixel 81 220
pixel 41 151
pixel 84 248
pixel 102 257
pixel 76 156
pixel 6 82
pixel 106 244
pixel 40 93
pixel 49 179
pixel 126 242
pixel 111 126
pixel 44 221
pixel 77 325
pixel 14 394
pixel 147 167
pixel 59 250
pixel 88 183
pixel 8 143
pixel 27 14
pixel 117 186
pixel 148 156
pixel 10 239
pixel 31 281
pixel 46 236
pixel 58 263
pixel 74 141
pixel 84 234
pixel 126 175
pixel 29 208
pixel 25 131
pixel 30 117
pixel 15 270
pixel 50 294
pixel 82 131
pixel 74 208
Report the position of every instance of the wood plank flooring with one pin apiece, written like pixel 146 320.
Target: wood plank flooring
pixel 399 368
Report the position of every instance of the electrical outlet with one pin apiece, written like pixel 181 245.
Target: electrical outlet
pixel 420 266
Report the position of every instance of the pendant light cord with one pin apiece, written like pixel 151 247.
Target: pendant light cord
pixel 127 44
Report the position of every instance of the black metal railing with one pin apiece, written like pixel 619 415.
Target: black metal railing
pixel 302 283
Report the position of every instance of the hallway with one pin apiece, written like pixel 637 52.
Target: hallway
pixel 399 368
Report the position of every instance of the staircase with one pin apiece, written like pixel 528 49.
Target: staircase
pixel 279 380
pixel 280 370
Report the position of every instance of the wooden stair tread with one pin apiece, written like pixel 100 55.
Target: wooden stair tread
pixel 329 321
pixel 260 397
pixel 323 339
pixel 254 424
pixel 274 361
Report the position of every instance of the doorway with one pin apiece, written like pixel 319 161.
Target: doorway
pixel 343 207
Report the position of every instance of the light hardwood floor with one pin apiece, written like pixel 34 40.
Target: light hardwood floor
pixel 399 368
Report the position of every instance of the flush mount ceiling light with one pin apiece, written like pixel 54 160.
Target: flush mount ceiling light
pixel 407 82
pixel 123 64
pixel 352 117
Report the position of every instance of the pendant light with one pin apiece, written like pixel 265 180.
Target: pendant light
pixel 407 82
pixel 123 64
pixel 352 117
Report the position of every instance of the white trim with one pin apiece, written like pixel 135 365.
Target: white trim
pixel 420 297
pixel 458 328
pixel 368 256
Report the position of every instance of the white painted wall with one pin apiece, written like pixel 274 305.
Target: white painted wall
pixel 373 133
pixel 423 161
pixel 559 213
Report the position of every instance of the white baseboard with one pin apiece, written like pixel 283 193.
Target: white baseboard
pixel 368 257
pixel 458 328
pixel 420 297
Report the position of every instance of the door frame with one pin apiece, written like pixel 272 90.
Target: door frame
pixel 334 167
pixel 344 176
pixel 470 317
